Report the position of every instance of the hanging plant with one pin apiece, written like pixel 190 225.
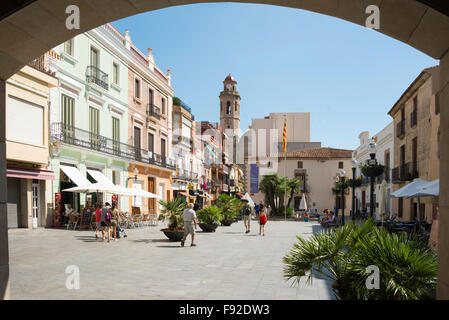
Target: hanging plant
pixel 355 182
pixel 372 171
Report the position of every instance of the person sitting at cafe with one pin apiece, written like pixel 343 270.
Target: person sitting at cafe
pixel 69 211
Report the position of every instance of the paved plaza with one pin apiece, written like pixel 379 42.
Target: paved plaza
pixel 227 264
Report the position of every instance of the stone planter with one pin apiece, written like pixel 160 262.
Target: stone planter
pixel 208 227
pixel 173 235
pixel 227 223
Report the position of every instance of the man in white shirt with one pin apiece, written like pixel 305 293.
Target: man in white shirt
pixel 189 217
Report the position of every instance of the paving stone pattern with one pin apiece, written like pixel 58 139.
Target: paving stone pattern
pixel 227 264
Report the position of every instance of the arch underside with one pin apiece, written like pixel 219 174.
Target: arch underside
pixel 40 24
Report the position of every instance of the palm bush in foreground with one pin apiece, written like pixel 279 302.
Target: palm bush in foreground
pixel 407 267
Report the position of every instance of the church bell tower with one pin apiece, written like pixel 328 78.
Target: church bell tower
pixel 230 106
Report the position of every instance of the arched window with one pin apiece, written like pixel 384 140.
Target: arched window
pixel 236 106
pixel 228 108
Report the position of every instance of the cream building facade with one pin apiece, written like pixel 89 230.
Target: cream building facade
pixel 384 155
pixel 27 149
pixel 315 168
pixel 416 117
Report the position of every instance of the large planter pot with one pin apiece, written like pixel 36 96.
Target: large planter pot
pixel 208 227
pixel 173 235
pixel 227 223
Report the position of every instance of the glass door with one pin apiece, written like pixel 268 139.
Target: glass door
pixel 35 203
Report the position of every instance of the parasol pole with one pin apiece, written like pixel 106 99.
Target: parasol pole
pixel 285 166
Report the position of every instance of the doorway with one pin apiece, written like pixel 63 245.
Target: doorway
pixel 36 203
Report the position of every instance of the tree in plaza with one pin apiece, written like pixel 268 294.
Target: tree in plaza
pixel 274 189
pixel 294 187
pixel 407 265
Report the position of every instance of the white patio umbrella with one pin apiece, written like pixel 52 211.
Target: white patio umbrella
pixel 412 190
pixel 431 189
pixel 250 200
pixel 303 203
pixel 93 187
pixel 409 190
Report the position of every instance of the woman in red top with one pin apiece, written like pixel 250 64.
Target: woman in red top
pixel 97 218
pixel 262 220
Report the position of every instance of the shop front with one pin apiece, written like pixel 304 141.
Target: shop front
pixel 152 179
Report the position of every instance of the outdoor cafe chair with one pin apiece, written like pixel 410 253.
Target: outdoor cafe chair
pixel 73 221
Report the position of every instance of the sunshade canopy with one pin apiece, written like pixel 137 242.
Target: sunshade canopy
pixel 409 190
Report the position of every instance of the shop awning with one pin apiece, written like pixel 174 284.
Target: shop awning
pixel 100 177
pixel 185 194
pixel 30 174
pixel 75 175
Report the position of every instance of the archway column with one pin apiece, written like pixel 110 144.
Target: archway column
pixel 4 254
pixel 443 237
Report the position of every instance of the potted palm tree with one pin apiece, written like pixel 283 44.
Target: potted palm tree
pixel 209 218
pixel 408 265
pixel 229 208
pixel 172 213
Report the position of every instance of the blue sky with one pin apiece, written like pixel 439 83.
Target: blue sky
pixel 284 60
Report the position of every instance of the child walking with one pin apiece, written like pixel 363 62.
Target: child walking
pixel 262 221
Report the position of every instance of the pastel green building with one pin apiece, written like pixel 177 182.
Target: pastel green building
pixel 89 115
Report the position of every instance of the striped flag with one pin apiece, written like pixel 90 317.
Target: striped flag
pixel 284 136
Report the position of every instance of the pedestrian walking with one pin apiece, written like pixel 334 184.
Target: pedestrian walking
pixel 262 221
pixel 246 212
pixel 256 209
pixel 189 218
pixel 112 223
pixel 97 219
pixel 104 211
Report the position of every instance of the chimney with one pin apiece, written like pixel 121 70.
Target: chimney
pixel 127 40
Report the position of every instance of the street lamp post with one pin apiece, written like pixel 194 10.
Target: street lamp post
pixel 354 167
pixel 337 179
pixel 372 162
pixel 342 175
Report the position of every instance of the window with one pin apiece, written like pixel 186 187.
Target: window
pixel 94 127
pixel 300 165
pixel 68 47
pixel 67 111
pixel 414 114
pixel 438 143
pixel 163 106
pixel 137 88
pixel 228 108
pixel 94 58
pixel 340 164
pixel 236 106
pixel 150 96
pixel 150 142
pixel 437 103
pixel 400 207
pixel 115 73
pixel 116 135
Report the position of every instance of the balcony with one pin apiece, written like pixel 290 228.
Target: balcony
pixel 95 75
pixel 400 128
pixel 61 132
pixel 153 111
pixel 405 172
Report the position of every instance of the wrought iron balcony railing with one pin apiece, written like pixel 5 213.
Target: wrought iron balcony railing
pixel 74 136
pixel 153 111
pixel 95 75
pixel 405 172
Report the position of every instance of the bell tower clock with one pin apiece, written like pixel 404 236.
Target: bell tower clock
pixel 230 106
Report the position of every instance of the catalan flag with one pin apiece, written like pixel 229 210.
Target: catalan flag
pixel 284 136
